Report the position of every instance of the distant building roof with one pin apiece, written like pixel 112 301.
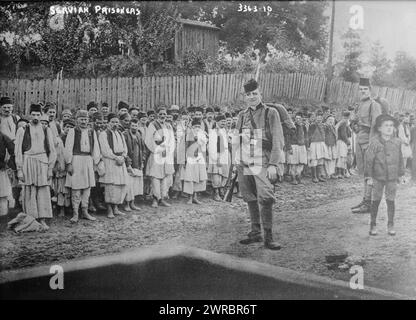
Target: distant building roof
pixel 198 24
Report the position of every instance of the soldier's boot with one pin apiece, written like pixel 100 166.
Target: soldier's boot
pixel 374 211
pixel 314 177
pixel 390 217
pixel 358 205
pixel 255 234
pixel 110 213
pixel 320 172
pixel 365 208
pixel 74 218
pixel 268 240
pixel 86 215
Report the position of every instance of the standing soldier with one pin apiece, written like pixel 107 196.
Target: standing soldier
pixel 258 152
pixel 367 112
pixel 82 152
pixel 35 159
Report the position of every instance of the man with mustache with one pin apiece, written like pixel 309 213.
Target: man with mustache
pixel 367 112
pixel 82 152
pixel 35 158
pixel 258 148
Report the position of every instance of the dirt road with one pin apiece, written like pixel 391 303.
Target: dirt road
pixel 310 221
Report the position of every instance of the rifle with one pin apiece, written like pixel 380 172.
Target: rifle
pixel 229 194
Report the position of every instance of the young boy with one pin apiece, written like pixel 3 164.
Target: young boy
pixel 297 158
pixel 317 149
pixel 383 166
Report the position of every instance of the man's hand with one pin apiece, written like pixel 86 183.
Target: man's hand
pixel 70 169
pixel 370 181
pixel 272 173
pixel 20 175
pixel 50 174
pixel 130 170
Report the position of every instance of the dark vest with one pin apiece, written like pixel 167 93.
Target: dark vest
pixel 111 143
pixel 76 150
pixel 27 141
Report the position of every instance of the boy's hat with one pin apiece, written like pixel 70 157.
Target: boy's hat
pixel 111 116
pixel 251 85
pixel 209 109
pixel 383 118
pixel 150 112
pixel 92 104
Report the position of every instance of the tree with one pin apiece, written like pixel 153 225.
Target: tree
pixel 291 25
pixel 352 63
pixel 380 63
pixel 404 71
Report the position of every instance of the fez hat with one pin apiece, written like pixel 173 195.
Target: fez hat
pixel 5 100
pixel 385 117
pixel 196 122
pixel 228 115
pixel 319 113
pixel 34 107
pixel 220 117
pixel 191 109
pixel 23 120
pixel 217 109
pixel 67 111
pixel 209 109
pixel 142 115
pixel 198 109
pixel 122 105
pixel 150 112
pixel 97 116
pixel 69 122
pixel 104 104
pixel 48 105
pixel 44 117
pixel 251 85
pixel 111 116
pixel 364 82
pixel 81 114
pixel 92 104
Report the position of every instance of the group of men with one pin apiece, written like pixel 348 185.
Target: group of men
pixel 94 159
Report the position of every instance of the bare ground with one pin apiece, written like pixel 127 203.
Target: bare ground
pixel 310 221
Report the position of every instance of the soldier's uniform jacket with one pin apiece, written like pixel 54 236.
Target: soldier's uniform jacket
pixel 367 112
pixel 261 141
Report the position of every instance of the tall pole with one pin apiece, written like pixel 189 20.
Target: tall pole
pixel 329 71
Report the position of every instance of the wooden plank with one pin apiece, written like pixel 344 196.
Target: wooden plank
pixel 113 94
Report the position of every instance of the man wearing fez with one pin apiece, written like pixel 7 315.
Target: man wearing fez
pixel 105 109
pixel 82 152
pixel 65 115
pixel 367 112
pixel 8 120
pixel 158 166
pixel 258 152
pixel 122 108
pixel 114 151
pixel 50 110
pixel 35 158
pixel 133 112
pixel 135 158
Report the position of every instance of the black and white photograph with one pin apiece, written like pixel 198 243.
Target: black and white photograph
pixel 207 156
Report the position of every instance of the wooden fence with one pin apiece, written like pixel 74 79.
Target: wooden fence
pixel 219 89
